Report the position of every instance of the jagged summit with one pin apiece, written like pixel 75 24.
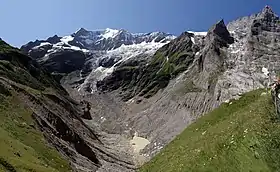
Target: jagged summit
pixel 106 39
pixel 267 9
pixel 267 20
pixel 81 30
pixel 268 14
pixel 218 28
pixel 220 34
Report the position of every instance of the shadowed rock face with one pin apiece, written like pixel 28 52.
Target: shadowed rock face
pixel 86 110
pixel 65 62
pixel 220 35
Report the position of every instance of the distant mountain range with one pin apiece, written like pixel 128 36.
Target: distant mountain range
pixel 93 51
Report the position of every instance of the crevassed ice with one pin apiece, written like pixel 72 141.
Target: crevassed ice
pixel 121 54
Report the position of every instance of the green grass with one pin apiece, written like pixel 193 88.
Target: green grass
pixel 22 147
pixel 4 47
pixel 242 136
pixel 18 75
pixel 163 67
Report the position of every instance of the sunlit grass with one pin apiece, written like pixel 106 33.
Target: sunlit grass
pixel 241 136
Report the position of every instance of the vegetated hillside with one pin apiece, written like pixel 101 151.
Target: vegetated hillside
pixel 37 114
pixel 22 145
pixel 243 135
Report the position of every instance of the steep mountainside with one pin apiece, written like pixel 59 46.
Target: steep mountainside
pixel 22 146
pixel 152 86
pixel 33 107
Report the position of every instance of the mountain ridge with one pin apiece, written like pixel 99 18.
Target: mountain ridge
pixel 87 38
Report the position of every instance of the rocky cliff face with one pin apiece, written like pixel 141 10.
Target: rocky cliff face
pixel 155 85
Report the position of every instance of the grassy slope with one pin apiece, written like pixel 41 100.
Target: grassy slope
pixel 242 136
pixel 22 147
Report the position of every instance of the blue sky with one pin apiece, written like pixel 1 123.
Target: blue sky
pixel 22 21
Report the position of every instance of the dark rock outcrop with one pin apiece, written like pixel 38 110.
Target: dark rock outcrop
pixel 53 40
pixel 65 62
pixel 106 62
pixel 219 35
pixel 86 107
pixel 267 20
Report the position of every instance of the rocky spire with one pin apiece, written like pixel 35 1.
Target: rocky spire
pixel 268 14
pixel 267 9
pixel 81 31
pixel 220 34
pixel 266 20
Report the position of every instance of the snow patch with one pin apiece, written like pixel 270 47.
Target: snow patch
pixel 192 39
pixel 45 43
pixel 265 71
pixel 42 44
pixel 235 51
pixel 67 39
pixel 103 119
pixel 198 33
pixel 130 101
pixel 138 143
pixel 110 33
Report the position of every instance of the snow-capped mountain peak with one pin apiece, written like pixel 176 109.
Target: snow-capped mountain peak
pixel 110 33
pixel 108 39
pixel 99 40
pixel 99 48
pixel 96 34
